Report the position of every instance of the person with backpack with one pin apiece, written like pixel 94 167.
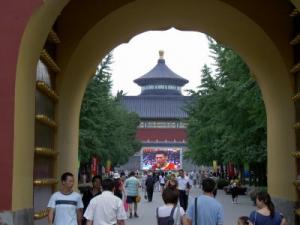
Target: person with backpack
pixel 171 213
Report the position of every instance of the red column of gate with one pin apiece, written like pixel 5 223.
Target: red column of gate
pixel 13 18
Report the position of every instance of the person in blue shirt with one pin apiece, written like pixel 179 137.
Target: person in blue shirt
pixel 209 210
pixel 265 214
pixel 132 190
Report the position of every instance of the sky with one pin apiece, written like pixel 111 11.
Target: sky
pixel 185 53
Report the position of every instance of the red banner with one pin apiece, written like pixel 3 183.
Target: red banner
pixel 230 170
pixel 94 166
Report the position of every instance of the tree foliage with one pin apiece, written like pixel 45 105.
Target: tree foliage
pixel 106 129
pixel 227 120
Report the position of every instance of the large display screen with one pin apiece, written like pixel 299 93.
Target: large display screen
pixel 159 158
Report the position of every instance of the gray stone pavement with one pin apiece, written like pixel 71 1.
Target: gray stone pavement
pixel 146 210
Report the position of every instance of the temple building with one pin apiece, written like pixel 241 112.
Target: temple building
pixel 162 129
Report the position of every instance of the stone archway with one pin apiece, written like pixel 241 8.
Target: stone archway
pixel 261 42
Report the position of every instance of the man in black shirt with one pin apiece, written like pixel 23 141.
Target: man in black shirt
pixel 91 193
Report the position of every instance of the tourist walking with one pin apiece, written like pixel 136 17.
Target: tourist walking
pixel 156 178
pixel 265 213
pixel 172 182
pixel 170 213
pixel 143 181
pixel 205 210
pixel 106 209
pixel 234 190
pixel 132 190
pixel 184 187
pixel 91 193
pixel 149 183
pixel 119 187
pixel 65 206
pixel 162 182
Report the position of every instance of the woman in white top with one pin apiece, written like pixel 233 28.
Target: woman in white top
pixel 164 213
pixel 161 179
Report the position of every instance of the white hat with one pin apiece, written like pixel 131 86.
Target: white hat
pixel 116 175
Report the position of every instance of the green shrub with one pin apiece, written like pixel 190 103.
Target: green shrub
pixel 221 183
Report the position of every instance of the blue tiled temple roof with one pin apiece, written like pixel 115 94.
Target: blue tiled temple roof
pixel 164 144
pixel 161 74
pixel 157 106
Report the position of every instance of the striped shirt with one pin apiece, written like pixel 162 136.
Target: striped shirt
pixel 132 186
pixel 65 207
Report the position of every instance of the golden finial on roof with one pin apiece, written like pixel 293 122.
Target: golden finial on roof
pixel 161 54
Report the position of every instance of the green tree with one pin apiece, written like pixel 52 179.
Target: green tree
pixel 227 120
pixel 106 129
pixel 201 130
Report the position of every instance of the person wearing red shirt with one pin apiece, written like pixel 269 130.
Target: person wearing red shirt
pixel 161 162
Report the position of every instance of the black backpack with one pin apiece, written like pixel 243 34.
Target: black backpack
pixel 168 220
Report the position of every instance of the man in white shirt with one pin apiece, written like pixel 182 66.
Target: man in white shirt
pixel 65 204
pixel 106 209
pixel 184 187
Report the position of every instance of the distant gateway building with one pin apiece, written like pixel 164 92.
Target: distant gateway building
pixel 160 107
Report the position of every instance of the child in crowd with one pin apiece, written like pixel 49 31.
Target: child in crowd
pixel 243 220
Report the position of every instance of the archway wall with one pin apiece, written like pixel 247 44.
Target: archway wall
pixel 263 44
pixel 77 19
pixel 13 22
pixel 33 40
pixel 265 51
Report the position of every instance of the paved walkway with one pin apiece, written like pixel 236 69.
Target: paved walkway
pixel 147 209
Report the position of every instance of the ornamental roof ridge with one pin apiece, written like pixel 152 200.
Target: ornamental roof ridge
pixel 161 73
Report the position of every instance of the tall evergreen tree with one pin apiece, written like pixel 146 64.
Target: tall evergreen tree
pixel 106 129
pixel 227 120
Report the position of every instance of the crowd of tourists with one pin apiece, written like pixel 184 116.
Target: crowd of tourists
pixel 115 199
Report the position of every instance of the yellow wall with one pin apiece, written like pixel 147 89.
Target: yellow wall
pixel 32 43
pixel 264 49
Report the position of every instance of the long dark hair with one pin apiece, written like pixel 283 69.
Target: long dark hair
pixel 265 198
